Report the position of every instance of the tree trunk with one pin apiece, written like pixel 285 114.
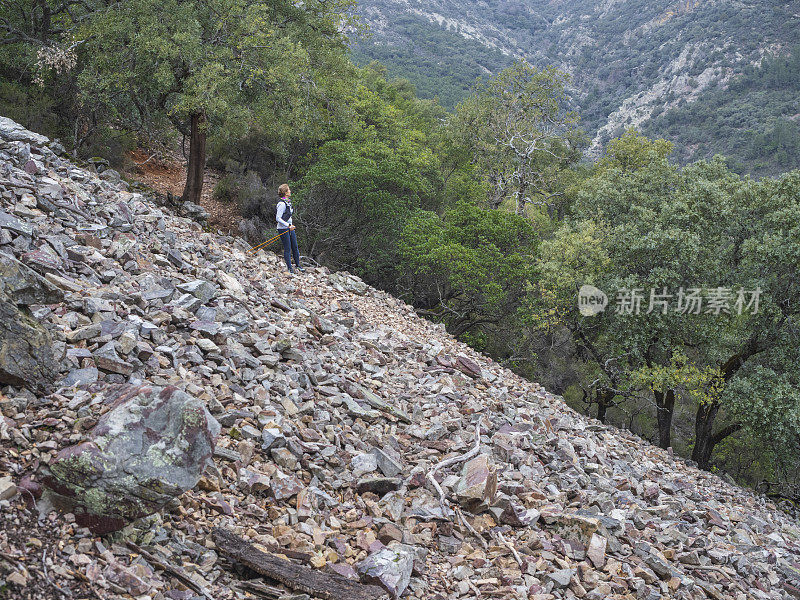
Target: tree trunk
pixel 604 402
pixel 665 409
pixel 703 439
pixel 197 159
pixel 601 412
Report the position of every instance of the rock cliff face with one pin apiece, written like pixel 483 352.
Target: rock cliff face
pixel 356 438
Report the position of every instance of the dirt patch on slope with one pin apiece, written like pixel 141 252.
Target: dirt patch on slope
pixel 168 175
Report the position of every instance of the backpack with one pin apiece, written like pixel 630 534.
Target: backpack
pixel 286 207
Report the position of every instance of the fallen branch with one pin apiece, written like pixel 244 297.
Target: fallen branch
pixel 61 591
pixel 506 543
pixel 176 572
pixel 443 497
pixel 328 586
pixel 152 156
pixel 470 528
pixel 452 461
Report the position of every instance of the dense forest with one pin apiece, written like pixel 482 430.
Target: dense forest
pixel 486 218
pixel 440 63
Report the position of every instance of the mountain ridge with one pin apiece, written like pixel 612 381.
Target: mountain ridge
pixel 630 60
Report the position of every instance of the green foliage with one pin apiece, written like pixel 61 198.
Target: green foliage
pixel 641 223
pixel 151 64
pixel 634 151
pixel 226 189
pixel 703 385
pixel 440 63
pixel 469 268
pixel 362 186
pixel 519 134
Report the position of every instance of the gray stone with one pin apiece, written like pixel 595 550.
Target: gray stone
pixel 151 446
pixel 13 224
pixel 355 410
pixel 26 350
pixel 272 438
pixel 14 132
pixel 518 516
pixel 43 262
pixel 375 402
pixel 596 552
pixel 85 333
pixel 390 568
pixel 571 526
pixel 361 464
pixel 449 545
pixel 85 376
pixel 107 359
pixel 8 488
pixel 200 289
pixel 386 464
pixel 562 577
pixel 23 286
pixel 285 486
pixel 478 483
pixel 284 458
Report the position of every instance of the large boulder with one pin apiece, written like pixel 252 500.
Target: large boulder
pixel 152 446
pixel 23 285
pixel 26 349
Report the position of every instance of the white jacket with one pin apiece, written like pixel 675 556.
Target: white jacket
pixel 283 204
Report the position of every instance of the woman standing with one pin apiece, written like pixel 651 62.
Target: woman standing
pixel 283 218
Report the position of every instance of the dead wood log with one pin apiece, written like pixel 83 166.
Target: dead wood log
pixel 328 586
pixel 259 588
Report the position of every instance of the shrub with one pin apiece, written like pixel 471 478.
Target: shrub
pixel 226 189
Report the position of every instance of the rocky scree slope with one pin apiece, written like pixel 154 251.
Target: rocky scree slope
pixel 320 419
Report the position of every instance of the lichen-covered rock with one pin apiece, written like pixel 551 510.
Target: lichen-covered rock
pixel 571 526
pixel 26 352
pixel 23 286
pixel 152 446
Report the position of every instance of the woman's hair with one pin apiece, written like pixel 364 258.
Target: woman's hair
pixel 283 189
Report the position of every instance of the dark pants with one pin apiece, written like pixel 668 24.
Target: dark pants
pixel 290 248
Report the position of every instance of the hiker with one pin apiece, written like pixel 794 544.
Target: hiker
pixel 283 218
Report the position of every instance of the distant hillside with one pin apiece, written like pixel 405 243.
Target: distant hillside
pixel 633 62
pixel 440 63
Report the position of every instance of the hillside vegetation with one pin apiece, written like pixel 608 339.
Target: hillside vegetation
pixel 663 66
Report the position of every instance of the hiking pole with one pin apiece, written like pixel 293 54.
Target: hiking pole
pixel 269 241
